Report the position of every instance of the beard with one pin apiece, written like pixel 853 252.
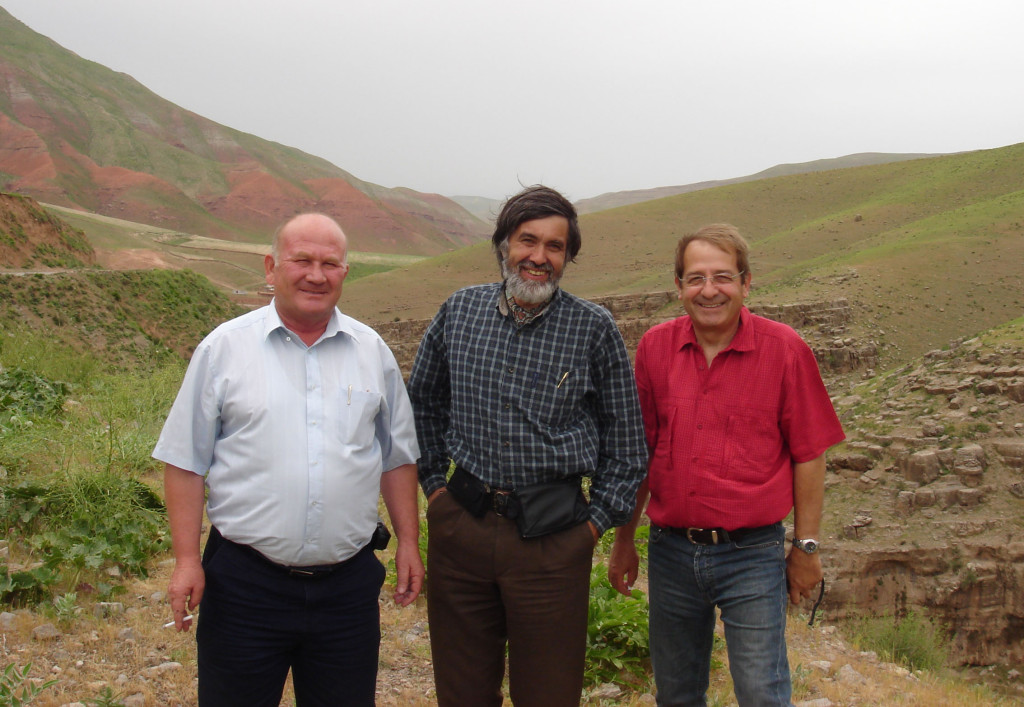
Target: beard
pixel 529 291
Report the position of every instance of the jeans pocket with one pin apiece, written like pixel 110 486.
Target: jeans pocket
pixel 774 536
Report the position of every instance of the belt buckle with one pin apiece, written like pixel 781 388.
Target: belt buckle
pixel 690 536
pixel 499 502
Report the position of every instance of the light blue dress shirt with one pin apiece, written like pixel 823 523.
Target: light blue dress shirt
pixel 292 439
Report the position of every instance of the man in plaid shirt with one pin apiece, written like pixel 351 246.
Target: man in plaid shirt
pixel 522 389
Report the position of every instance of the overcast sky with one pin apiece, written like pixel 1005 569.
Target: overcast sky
pixel 589 96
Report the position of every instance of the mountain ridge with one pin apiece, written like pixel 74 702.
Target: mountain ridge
pixel 78 134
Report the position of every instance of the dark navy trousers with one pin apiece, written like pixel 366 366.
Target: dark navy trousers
pixel 256 622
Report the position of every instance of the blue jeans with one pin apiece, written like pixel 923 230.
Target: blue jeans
pixel 747 582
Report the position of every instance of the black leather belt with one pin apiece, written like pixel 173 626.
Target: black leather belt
pixel 478 497
pixel 714 536
pixel 499 501
pixel 308 572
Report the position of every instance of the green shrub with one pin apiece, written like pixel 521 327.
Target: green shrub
pixel 79 525
pixel 913 641
pixel 617 634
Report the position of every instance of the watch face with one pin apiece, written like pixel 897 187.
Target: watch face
pixel 808 546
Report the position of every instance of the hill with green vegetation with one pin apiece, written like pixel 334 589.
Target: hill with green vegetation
pixel 614 200
pixel 930 250
pixel 75 133
pixel 121 319
pixel 32 237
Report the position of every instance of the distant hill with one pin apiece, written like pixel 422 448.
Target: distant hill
pixel 612 200
pixel 931 248
pixel 482 207
pixel 31 237
pixel 74 133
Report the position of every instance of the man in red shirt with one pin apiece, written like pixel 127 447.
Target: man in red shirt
pixel 737 420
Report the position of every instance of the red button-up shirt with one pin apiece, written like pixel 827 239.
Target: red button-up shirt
pixel 723 440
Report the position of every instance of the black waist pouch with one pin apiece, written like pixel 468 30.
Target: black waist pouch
pixel 542 509
pixel 470 492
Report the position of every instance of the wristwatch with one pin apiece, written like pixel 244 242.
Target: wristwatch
pixel 808 545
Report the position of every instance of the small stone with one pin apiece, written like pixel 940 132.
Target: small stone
pixel 607 691
pixel 45 632
pixel 135 700
pixel 7 620
pixel 166 667
pixel 847 674
pixel 822 665
pixel 103 609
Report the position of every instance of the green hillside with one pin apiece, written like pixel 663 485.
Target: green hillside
pixel 931 249
pixel 120 319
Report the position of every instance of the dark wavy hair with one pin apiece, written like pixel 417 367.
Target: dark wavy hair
pixel 532 203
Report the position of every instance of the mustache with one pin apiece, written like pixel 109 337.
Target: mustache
pixel 546 267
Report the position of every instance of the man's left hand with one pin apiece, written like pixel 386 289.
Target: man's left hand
pixel 409 568
pixel 803 572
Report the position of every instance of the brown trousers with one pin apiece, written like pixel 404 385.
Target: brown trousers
pixel 486 587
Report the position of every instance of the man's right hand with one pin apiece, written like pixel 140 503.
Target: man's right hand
pixel 623 565
pixel 185 590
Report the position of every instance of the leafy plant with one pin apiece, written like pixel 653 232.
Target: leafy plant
pixel 617 633
pixel 28 394
pixel 106 698
pixel 25 587
pixel 80 523
pixel 16 689
pixel 66 607
pixel 913 640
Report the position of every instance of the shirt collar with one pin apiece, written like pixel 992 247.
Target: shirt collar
pixel 336 325
pixel 743 340
pixel 502 303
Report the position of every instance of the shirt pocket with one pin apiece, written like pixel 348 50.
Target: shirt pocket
pixel 555 394
pixel 358 412
pixel 753 442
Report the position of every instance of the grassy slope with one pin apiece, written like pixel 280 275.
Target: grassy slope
pixel 123 318
pixel 936 249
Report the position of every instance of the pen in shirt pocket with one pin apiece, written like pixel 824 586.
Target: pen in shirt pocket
pixel 562 379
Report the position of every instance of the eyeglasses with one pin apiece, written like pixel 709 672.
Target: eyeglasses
pixel 720 279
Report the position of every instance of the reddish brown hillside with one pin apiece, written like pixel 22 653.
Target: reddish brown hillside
pixel 76 134
pixel 32 238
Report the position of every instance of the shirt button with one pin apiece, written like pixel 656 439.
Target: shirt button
pixel 511 369
pixel 699 427
pixel 506 443
pixel 507 406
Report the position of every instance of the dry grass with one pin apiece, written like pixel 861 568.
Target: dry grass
pixel 125 651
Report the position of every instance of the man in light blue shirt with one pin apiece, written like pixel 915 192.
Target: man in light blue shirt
pixel 291 422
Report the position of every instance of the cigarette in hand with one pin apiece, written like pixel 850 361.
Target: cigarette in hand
pixel 170 624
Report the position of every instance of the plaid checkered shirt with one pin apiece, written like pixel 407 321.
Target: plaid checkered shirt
pixel 517 406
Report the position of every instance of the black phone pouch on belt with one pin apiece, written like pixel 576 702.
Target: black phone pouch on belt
pixel 542 509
